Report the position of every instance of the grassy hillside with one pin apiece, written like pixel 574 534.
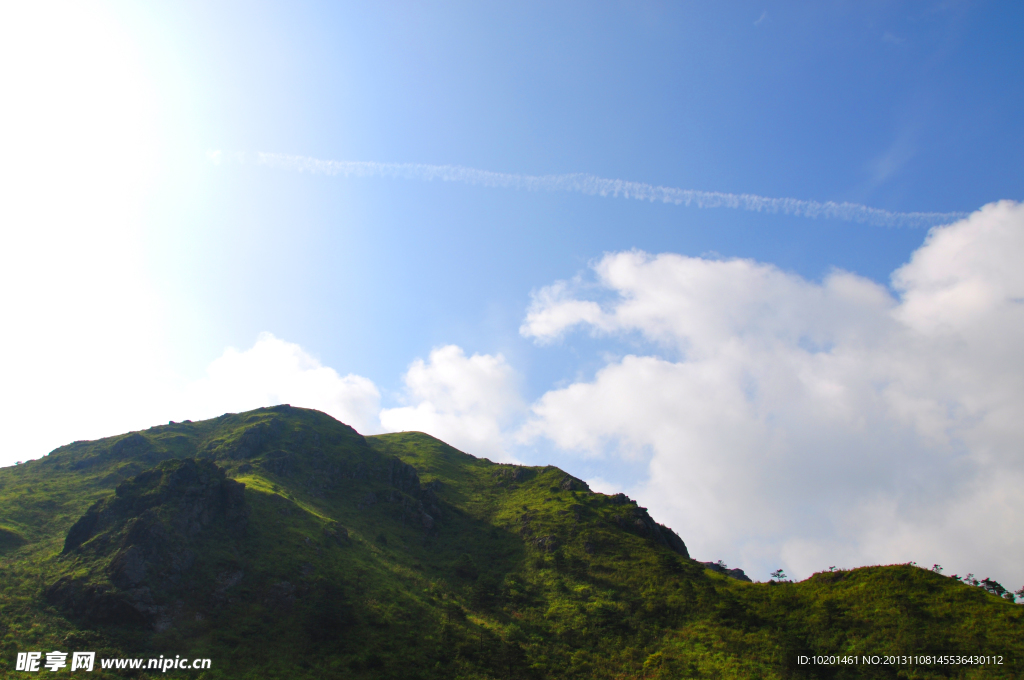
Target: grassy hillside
pixel 397 556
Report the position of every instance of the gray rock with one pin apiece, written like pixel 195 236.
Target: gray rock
pixel 129 567
pixel 511 474
pixel 255 438
pixel 147 528
pixel 279 463
pixel 570 483
pixel 725 571
pixel 403 476
pixel 640 522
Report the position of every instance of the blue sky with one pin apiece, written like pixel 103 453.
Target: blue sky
pixel 149 248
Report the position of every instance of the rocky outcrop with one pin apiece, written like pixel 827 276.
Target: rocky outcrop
pixel 143 538
pixel 103 604
pixel 255 438
pixel 671 539
pixel 570 483
pixel 721 568
pixel 512 474
pixel 419 504
pixel 279 463
pixel 403 477
pixel 134 448
pixel 185 495
pixel 639 521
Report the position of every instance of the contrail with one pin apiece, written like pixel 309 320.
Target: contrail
pixel 599 186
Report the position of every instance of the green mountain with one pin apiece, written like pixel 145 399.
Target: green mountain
pixel 280 543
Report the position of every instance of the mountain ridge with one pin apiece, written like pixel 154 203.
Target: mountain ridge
pixel 281 542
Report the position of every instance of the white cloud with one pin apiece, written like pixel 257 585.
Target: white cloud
pixel 801 424
pixel 275 372
pixel 468 402
pixel 115 394
pixel 464 401
pixel 554 310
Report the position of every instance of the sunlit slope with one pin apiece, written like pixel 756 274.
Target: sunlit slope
pixel 399 556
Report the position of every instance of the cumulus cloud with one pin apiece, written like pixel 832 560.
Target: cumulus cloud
pixel 471 402
pixel 274 372
pixel 802 424
pixel 133 391
pixel 468 402
pixel 465 401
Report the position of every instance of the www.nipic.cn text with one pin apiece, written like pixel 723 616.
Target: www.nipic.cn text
pixel 34 662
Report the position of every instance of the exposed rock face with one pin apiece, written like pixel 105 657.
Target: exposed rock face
pixel 186 494
pixel 642 523
pixel 418 503
pixel 101 603
pixel 570 483
pixel 256 437
pixel 131 447
pixel 512 474
pixel 403 476
pixel 646 526
pixel 145 534
pixel 732 573
pixel 279 463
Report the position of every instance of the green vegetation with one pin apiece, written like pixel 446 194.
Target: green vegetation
pixel 397 556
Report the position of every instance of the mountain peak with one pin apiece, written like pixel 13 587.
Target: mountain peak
pixel 281 533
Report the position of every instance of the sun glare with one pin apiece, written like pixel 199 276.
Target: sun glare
pixel 78 156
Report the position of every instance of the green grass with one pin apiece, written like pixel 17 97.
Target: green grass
pixel 516 577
